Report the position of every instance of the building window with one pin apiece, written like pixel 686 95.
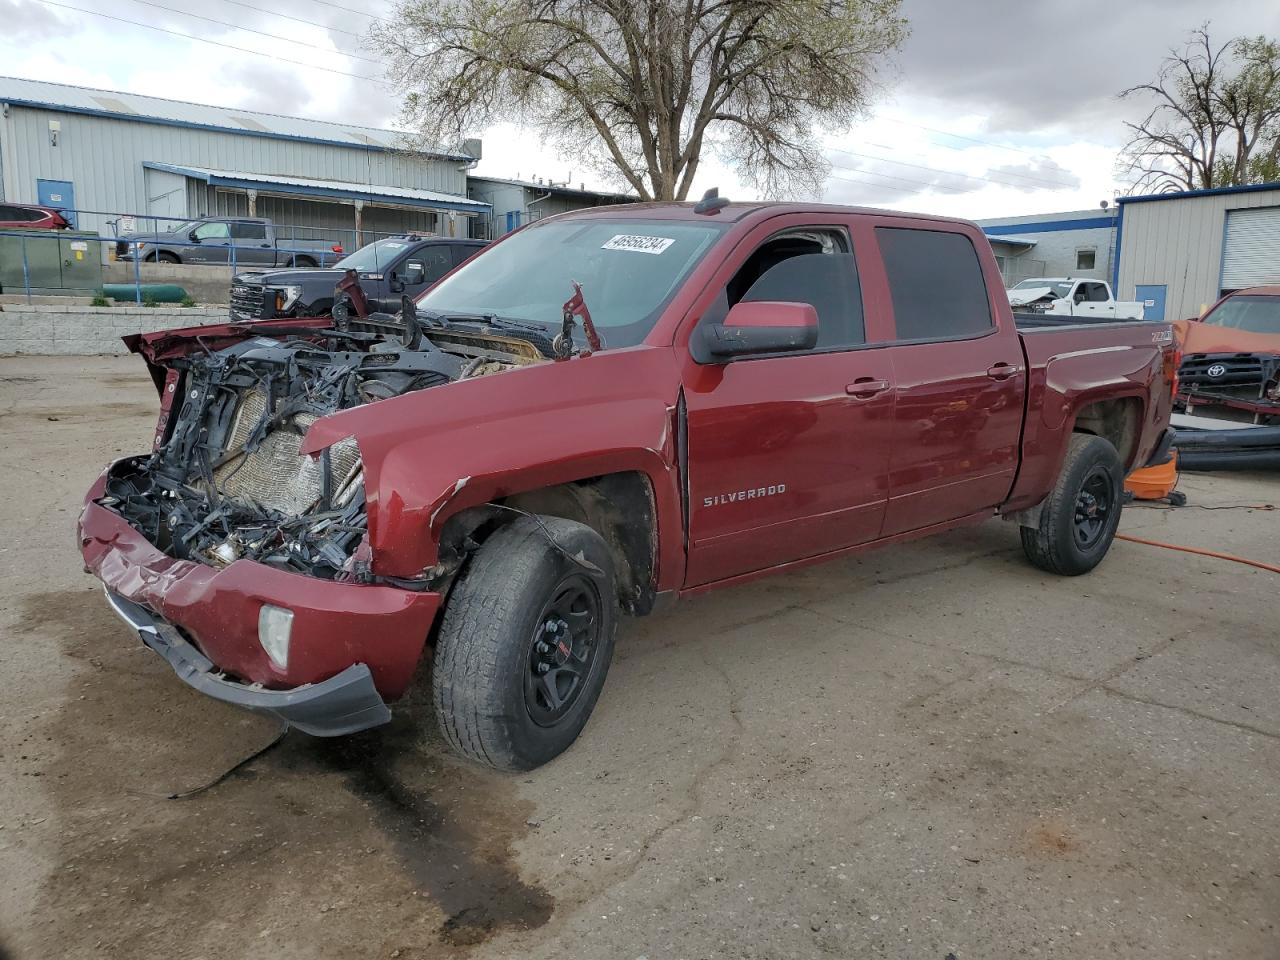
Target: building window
pixel 1085 259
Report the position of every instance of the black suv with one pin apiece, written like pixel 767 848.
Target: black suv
pixel 387 269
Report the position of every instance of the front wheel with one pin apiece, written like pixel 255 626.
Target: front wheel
pixel 1079 519
pixel 525 643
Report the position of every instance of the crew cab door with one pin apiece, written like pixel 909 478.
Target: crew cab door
pixel 787 454
pixel 959 375
pixel 253 246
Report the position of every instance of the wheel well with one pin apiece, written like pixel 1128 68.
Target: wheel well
pixel 1117 420
pixel 303 262
pixel 618 506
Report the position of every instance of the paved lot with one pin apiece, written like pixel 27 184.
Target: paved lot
pixel 927 751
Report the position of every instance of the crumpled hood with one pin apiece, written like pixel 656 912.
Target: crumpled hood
pixel 1196 337
pixel 1020 298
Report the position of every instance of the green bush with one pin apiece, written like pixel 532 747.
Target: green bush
pixel 150 301
pixel 188 301
pixel 99 300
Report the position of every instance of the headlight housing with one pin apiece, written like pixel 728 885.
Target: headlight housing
pixel 286 297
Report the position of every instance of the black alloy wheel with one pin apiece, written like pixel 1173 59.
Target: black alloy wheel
pixel 562 650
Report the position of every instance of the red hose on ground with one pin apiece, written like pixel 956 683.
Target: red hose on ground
pixel 1204 553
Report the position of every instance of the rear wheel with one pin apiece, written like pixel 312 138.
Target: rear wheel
pixel 525 643
pixel 1078 521
pixel 165 257
pixel 302 262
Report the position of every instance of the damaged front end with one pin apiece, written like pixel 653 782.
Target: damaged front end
pixel 226 480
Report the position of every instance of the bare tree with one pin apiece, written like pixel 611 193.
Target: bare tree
pixel 1215 121
pixel 643 87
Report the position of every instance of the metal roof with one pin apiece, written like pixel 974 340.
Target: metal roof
pixel 332 189
pixel 559 188
pixel 1188 194
pixel 146 109
pixel 1021 241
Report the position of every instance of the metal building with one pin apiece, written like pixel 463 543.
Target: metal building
pixel 1077 243
pixel 517 202
pixel 108 154
pixel 1179 252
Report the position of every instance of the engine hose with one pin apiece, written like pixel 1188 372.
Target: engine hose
pixel 1204 553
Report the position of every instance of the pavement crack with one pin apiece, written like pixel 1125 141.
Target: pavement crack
pixel 1187 711
pixel 1115 671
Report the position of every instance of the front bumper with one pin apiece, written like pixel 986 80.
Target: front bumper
pixel 345 703
pixel 336 626
pixel 1207 444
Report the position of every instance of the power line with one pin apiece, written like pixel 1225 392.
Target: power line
pixel 910 182
pixel 950 173
pixel 1024 176
pixel 216 43
pixel 959 136
pixel 261 33
pixel 338 6
pixel 285 16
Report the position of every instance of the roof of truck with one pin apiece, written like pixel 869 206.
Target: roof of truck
pixel 740 210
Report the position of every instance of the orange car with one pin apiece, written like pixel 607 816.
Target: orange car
pixel 1229 383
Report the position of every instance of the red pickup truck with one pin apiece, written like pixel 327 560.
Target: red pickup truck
pixel 602 411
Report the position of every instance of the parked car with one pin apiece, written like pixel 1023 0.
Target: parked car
pixel 601 412
pixel 22 216
pixel 1229 383
pixel 213 240
pixel 1062 296
pixel 385 268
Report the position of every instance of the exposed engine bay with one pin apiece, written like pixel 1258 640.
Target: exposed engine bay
pixel 227 482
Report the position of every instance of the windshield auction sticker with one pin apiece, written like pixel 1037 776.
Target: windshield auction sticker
pixel 653 245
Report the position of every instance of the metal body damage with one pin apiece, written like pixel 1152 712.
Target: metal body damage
pixel 228 482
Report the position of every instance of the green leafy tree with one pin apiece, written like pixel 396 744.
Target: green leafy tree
pixel 1214 119
pixel 643 88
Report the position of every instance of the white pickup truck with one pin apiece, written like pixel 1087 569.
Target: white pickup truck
pixel 1064 297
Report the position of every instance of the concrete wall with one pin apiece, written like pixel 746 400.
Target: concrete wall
pixel 90 331
pixel 206 283
pixel 1176 241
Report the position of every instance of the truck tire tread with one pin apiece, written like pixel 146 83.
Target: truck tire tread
pixel 482 634
pixel 1051 545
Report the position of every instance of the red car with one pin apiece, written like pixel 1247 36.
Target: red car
pixel 26 217
pixel 599 413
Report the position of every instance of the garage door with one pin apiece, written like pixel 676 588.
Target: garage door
pixel 1251 255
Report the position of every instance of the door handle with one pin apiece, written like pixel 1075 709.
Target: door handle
pixel 864 388
pixel 1002 371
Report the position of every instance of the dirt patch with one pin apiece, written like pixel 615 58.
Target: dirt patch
pixel 378 842
pixel 111 410
pixel 1051 839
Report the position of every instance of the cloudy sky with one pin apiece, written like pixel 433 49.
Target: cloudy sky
pixel 993 108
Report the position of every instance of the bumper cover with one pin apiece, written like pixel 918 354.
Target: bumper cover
pixel 335 624
pixel 345 703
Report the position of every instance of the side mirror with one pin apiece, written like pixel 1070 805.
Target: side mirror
pixel 192 237
pixel 759 327
pixel 394 283
pixel 414 273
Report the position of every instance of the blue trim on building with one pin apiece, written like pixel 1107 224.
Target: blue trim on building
pixel 1050 226
pixel 1115 266
pixel 235 131
pixel 1188 194
pixel 332 193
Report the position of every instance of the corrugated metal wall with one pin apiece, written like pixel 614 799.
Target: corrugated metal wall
pixel 1177 243
pixel 103 157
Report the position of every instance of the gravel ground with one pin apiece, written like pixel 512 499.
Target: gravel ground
pixel 926 751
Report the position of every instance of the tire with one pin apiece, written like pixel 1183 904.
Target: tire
pixel 302 262
pixel 1079 519
pixel 164 257
pixel 490 698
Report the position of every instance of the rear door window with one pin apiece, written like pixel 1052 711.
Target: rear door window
pixel 935 284
pixel 436 261
pixel 247 230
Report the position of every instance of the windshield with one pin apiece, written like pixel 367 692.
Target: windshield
pixel 1060 288
pixel 628 270
pixel 374 257
pixel 1251 314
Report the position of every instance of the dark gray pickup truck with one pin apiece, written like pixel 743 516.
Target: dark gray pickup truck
pixel 243 241
pixel 386 268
